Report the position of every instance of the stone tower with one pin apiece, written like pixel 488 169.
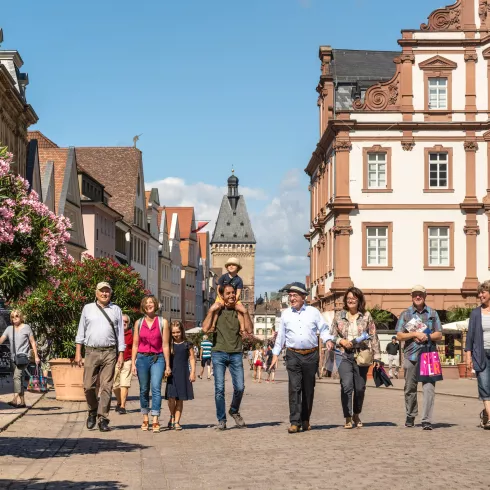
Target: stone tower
pixel 233 237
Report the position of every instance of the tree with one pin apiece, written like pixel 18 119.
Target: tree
pixel 32 238
pixel 53 308
pixel 382 318
pixel 459 313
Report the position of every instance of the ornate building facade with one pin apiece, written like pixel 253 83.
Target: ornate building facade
pixel 400 178
pixel 233 237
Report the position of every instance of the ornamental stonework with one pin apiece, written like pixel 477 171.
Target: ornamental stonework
pixel 444 19
pixel 470 146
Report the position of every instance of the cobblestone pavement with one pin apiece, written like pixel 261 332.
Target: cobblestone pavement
pixel 51 448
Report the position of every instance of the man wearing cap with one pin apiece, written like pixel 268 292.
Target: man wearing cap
pixel 300 329
pixel 101 330
pixel 393 349
pixel 413 347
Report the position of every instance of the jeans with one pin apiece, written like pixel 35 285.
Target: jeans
pixel 232 361
pixel 150 371
pixel 352 385
pixel 483 378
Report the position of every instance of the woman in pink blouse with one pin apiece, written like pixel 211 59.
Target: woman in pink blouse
pixel 151 359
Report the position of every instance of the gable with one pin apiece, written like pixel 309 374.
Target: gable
pixel 47 184
pixel 71 176
pixel 438 63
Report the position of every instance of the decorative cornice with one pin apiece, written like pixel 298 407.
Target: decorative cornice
pixel 470 146
pixel 408 145
pixel 438 62
pixel 342 145
pixel 470 56
pixel 382 96
pixel 445 19
pixel 407 57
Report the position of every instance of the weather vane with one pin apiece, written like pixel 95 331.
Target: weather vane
pixel 136 138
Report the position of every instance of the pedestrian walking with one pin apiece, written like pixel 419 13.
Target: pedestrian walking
pixel 478 349
pixel 101 331
pixel 299 330
pixel 206 346
pixel 179 384
pixel 258 363
pixel 250 356
pixel 123 374
pixel 227 352
pixel 393 351
pixel 151 359
pixel 271 370
pixel 21 339
pixel 356 337
pixel 416 326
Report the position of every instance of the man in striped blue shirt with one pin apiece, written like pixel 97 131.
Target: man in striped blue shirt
pixel 206 346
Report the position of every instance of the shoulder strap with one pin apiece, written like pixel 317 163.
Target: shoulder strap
pixel 111 324
pixel 13 339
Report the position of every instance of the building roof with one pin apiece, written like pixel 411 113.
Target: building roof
pixel 266 309
pixel 356 64
pixel 117 168
pixel 42 141
pixel 186 221
pixel 203 238
pixel 233 227
pixel 59 158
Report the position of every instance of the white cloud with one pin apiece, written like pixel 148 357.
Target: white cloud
pixel 279 226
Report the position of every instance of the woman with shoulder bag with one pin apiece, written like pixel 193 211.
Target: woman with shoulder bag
pixel 358 342
pixel 151 359
pixel 20 337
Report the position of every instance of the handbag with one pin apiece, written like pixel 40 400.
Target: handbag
pixel 365 358
pixel 429 368
pixel 37 383
pixel 19 359
pixel 111 324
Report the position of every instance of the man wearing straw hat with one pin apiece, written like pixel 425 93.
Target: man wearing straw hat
pixel 300 329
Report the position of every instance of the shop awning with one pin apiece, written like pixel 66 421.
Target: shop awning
pixel 456 326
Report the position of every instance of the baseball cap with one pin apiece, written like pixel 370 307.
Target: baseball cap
pixel 101 285
pixel 418 288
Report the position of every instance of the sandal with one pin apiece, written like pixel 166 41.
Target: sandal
pixel 145 424
pixel 171 424
pixel 348 423
pixel 357 420
pixel 177 426
pixel 155 427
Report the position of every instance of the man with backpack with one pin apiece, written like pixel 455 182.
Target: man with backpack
pixel 416 326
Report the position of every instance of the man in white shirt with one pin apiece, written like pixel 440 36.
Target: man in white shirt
pixel 300 329
pixel 103 337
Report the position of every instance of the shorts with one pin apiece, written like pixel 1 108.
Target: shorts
pixel 258 363
pixel 122 377
pixel 205 361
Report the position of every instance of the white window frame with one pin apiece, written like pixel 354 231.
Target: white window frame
pixel 438 93
pixel 374 162
pixel 435 171
pixel 439 246
pixel 374 242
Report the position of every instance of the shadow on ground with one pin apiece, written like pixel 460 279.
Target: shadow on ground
pixel 45 447
pixel 38 484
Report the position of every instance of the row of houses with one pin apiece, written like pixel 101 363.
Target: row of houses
pixel 102 191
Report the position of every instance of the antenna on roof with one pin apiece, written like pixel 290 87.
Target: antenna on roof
pixel 135 139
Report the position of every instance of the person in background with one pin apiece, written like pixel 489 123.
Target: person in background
pixel 179 384
pixel 351 323
pixel 478 349
pixel 123 375
pixel 196 352
pixel 206 346
pixel 393 349
pixel 101 331
pixel 24 340
pixel 258 363
pixel 271 370
pixel 414 341
pixel 151 359
pixel 250 356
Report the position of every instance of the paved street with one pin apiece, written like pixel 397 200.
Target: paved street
pixel 50 448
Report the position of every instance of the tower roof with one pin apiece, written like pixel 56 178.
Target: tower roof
pixel 233 226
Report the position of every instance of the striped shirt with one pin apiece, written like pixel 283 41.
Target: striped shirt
pixel 206 346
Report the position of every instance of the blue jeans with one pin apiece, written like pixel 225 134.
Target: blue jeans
pixel 234 362
pixel 483 378
pixel 150 372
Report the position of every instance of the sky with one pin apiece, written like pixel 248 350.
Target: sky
pixel 209 85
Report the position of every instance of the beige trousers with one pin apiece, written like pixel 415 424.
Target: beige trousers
pixel 101 363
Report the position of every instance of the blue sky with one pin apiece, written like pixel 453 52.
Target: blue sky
pixel 210 84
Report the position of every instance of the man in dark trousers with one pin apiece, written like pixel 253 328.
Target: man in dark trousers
pixel 299 330
pixel 393 349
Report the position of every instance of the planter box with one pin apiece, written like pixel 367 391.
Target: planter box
pixel 68 380
pixel 450 372
pixel 463 372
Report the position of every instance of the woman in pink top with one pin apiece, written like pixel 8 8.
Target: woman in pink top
pixel 151 359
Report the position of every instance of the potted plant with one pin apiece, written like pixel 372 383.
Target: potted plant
pixel 54 307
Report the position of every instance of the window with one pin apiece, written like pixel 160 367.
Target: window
pixel 437 93
pixel 377 169
pixel 439 246
pixel 377 246
pixel 438 169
